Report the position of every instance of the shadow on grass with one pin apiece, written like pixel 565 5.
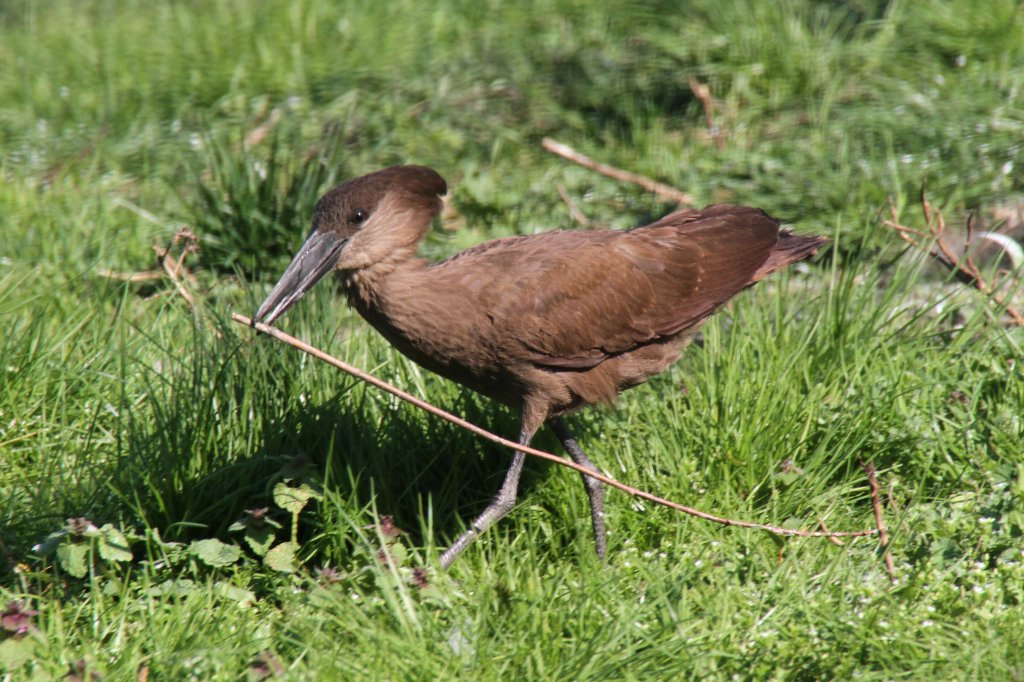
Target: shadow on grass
pixel 404 462
pixel 179 477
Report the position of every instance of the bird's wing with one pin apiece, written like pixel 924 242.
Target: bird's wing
pixel 572 299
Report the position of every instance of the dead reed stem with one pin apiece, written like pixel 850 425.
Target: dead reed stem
pixel 574 211
pixel 702 92
pixel 876 505
pixel 462 423
pixel 964 268
pixel 660 189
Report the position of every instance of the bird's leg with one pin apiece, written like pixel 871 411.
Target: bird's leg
pixel 595 488
pixel 501 505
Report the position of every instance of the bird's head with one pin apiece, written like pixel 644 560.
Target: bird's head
pixel 364 221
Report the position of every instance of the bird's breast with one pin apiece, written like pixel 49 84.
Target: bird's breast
pixel 438 330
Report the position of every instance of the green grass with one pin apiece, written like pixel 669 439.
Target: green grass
pixel 121 121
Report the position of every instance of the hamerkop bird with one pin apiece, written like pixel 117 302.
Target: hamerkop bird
pixel 545 323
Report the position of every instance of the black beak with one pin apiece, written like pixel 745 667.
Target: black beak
pixel 317 256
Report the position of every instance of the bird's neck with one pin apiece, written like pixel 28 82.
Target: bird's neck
pixel 374 290
pixel 399 300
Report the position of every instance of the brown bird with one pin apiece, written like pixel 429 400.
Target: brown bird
pixel 545 323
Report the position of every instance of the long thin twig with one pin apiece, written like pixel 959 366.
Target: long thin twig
pixel 574 210
pixel 659 188
pixel 132 277
pixel 876 505
pixel 834 540
pixel 179 274
pixel 438 412
pixel 703 93
pixel 175 267
pixel 965 269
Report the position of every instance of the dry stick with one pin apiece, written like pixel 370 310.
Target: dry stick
pixel 173 269
pixel 574 210
pixel 966 272
pixel 178 273
pixel 703 93
pixel 131 277
pixel 190 244
pixel 662 190
pixel 438 412
pixel 834 540
pixel 965 269
pixel 876 504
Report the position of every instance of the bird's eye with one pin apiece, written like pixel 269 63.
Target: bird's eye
pixel 358 217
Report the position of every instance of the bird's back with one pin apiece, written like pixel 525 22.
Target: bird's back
pixel 574 317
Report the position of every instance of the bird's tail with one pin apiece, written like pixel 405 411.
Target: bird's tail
pixel 789 249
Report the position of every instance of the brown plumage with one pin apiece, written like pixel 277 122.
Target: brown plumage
pixel 545 323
